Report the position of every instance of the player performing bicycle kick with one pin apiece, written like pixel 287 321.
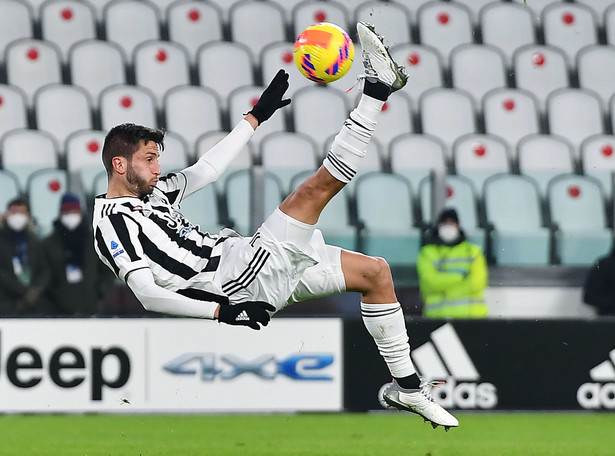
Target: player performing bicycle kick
pixel 174 268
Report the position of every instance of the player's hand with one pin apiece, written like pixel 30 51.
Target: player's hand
pixel 271 99
pixel 249 313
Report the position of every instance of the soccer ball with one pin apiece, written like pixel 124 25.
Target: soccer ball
pixel 323 52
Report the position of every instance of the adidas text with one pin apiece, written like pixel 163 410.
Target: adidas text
pixel 466 395
pixel 596 395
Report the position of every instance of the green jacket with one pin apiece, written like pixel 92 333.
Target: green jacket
pixel 452 280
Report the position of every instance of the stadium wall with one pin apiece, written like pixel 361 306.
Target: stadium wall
pixel 169 365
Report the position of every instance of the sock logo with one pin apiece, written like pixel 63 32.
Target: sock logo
pixel 445 358
pixel 600 392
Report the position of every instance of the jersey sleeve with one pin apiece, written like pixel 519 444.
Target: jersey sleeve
pixel 118 246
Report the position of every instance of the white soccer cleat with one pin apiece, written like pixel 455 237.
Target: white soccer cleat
pixel 377 61
pixel 419 401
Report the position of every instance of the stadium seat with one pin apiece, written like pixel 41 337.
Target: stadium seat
pixel 10 188
pixel 461 196
pixel 335 221
pixel 238 195
pixel 543 157
pixel 242 161
pixel 423 63
pixel 66 22
pixel 599 8
pixel 271 25
pixel 574 114
pixel 390 19
pixel 287 154
pixel 125 103
pixel 444 26
pixel 311 119
pixel 99 8
pixel 31 64
pixel 129 23
pixel 276 56
pixel 475 7
pixel 191 111
pixel 536 6
pixel 609 25
pixel 241 100
pixel 351 6
pixel 415 156
pixel 386 213
pixel 224 6
pixel 35 6
pixel 215 61
pixel 193 23
pixel 412 6
pixel 13 109
pixel 27 151
pixel 447 114
pixel 478 157
pixel 569 27
pixel 174 157
pixel 513 210
pixel 288 7
pixel 595 64
pixel 309 12
pixel 477 68
pixel 202 209
pixel 507 26
pixel 395 119
pixel 598 161
pixel 510 114
pixel 45 190
pixel 87 58
pixel 84 159
pixel 15 23
pixel 160 66
pixel 577 208
pixel 540 70
pixel 62 110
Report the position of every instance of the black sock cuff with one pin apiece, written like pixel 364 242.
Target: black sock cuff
pixel 376 89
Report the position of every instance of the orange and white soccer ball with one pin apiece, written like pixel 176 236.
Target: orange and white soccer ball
pixel 324 52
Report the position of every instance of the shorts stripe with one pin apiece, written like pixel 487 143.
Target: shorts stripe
pixel 249 274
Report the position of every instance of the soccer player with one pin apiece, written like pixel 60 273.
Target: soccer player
pixel 172 267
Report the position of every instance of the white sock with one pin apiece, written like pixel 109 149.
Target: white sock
pixel 386 324
pixel 350 144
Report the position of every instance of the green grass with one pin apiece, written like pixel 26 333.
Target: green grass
pixel 312 434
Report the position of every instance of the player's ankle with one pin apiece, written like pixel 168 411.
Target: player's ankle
pixel 376 89
pixel 410 382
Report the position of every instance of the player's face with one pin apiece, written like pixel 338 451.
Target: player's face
pixel 143 170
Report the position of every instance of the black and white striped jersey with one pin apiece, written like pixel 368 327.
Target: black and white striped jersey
pixel 132 233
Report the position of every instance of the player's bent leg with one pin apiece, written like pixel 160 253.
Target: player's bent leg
pixel 384 320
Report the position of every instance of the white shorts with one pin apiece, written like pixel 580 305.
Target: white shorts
pixel 279 267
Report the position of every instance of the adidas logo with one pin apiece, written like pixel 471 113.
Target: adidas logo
pixel 600 392
pixel 243 316
pixel 445 358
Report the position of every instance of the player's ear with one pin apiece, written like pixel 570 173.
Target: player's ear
pixel 119 164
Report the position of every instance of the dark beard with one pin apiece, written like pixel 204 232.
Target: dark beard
pixel 136 184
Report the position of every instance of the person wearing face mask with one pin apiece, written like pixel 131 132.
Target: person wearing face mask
pixel 23 272
pixel 78 279
pixel 452 272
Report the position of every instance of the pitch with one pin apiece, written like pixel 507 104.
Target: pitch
pixel 545 434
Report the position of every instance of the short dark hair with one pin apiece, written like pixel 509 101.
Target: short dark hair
pixel 19 201
pixel 123 140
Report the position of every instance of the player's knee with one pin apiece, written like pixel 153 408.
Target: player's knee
pixel 378 273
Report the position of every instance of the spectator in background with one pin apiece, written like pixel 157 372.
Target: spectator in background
pixel 452 272
pixel 599 289
pixel 23 272
pixel 78 279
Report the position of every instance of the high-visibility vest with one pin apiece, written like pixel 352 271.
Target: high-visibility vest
pixel 452 280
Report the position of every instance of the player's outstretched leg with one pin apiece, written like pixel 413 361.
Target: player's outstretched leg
pixel 380 309
pixel 384 320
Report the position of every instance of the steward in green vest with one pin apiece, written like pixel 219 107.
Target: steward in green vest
pixel 452 272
